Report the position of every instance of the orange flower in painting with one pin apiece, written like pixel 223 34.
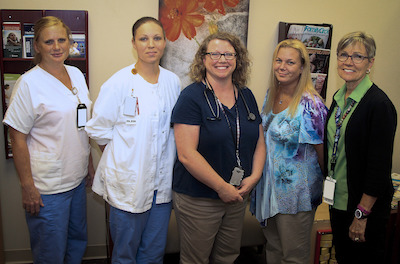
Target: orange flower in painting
pixel 180 15
pixel 211 5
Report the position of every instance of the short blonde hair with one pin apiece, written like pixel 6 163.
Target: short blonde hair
pixel 358 36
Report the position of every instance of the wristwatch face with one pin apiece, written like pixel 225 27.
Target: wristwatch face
pixel 358 214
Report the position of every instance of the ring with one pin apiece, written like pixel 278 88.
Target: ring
pixel 356 239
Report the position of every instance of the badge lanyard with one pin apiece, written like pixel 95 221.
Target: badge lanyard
pixel 329 184
pixel 229 124
pixel 339 123
pixel 230 128
pixel 81 111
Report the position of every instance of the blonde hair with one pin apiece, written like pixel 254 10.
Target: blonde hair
pixel 304 84
pixel 239 76
pixel 43 23
pixel 358 36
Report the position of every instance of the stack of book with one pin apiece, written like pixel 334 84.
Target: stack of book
pixel 327 250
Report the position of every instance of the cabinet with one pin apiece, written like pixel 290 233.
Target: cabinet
pixel 17 62
pixel 317 39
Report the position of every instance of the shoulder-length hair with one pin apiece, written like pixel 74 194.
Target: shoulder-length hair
pixel 46 22
pixel 304 84
pixel 241 73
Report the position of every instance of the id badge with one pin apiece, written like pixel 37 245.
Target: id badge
pixel 130 106
pixel 329 190
pixel 237 176
pixel 81 117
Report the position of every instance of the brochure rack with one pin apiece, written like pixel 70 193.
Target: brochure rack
pixel 17 47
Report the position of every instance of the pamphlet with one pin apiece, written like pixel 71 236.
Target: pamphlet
pixel 28 49
pixel 78 46
pixel 12 45
pixel 311 36
pixel 319 60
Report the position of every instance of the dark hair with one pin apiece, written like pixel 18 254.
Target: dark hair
pixel 242 71
pixel 43 23
pixel 145 20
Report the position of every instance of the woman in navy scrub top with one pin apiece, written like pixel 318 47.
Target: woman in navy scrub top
pixel 221 151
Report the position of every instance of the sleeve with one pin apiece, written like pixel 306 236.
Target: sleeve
pixel 382 125
pixel 313 121
pixel 20 114
pixel 187 109
pixel 105 114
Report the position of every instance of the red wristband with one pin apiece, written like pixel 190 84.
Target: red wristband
pixel 362 209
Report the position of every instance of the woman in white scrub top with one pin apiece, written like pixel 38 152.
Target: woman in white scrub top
pixel 131 123
pixel 46 118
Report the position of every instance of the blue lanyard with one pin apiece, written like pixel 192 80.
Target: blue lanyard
pixel 339 123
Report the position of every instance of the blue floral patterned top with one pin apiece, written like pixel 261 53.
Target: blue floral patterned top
pixel 292 179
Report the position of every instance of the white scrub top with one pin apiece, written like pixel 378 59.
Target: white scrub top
pixel 46 110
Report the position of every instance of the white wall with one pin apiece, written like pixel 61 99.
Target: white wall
pixel 110 49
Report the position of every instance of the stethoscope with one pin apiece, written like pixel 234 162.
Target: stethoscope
pixel 216 115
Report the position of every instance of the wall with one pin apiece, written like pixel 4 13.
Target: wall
pixel 110 49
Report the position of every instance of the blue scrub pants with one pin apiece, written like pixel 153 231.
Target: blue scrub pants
pixel 140 238
pixel 58 234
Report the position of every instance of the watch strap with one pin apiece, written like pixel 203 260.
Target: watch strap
pixel 362 209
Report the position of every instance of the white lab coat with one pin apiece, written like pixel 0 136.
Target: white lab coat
pixel 140 151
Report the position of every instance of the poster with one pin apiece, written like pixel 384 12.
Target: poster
pixel 187 23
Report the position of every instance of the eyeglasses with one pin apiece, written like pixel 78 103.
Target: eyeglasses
pixel 356 58
pixel 217 55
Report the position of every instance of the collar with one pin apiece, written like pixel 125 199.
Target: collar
pixel 356 95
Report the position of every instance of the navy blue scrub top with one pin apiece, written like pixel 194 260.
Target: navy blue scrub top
pixel 216 143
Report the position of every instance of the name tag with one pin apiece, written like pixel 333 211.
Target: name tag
pixel 329 190
pixel 81 116
pixel 130 122
pixel 130 106
pixel 237 176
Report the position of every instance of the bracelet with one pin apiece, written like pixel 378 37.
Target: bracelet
pixel 362 209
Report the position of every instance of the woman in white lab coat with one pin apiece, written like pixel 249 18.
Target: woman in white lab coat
pixel 131 123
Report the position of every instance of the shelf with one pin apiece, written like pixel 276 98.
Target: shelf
pixel 30 59
pixel 76 20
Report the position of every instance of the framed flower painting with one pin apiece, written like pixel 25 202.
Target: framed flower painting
pixel 188 22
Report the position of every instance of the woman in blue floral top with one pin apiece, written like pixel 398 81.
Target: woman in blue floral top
pixel 290 190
